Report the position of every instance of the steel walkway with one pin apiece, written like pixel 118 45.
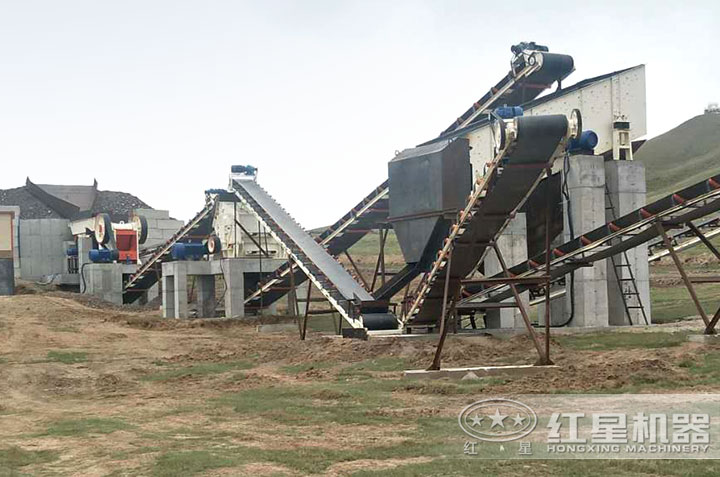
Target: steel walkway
pixel 149 272
pixel 341 290
pixel 508 181
pixel 338 238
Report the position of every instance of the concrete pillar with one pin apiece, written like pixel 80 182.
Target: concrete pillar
pixel 557 312
pixel 586 297
pixel 513 247
pixel 180 295
pixel 235 291
pixel 168 294
pixel 175 296
pixel 205 296
pixel 302 291
pixel 105 280
pixel 626 186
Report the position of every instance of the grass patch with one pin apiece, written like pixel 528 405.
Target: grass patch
pixel 706 371
pixel 305 367
pixel 203 369
pixel 671 304
pixel 316 404
pixel 67 357
pixel 188 463
pixel 13 458
pixel 78 427
pixel 622 340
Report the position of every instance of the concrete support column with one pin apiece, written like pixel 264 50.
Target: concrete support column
pixel 235 283
pixel 302 291
pixel 205 296
pixel 586 297
pixel 168 294
pixel 513 247
pixel 105 280
pixel 180 296
pixel 174 285
pixel 627 192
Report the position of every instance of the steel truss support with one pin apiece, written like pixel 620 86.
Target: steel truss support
pixel 444 325
pixel 709 324
pixel 544 358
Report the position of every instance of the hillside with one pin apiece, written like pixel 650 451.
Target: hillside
pixel 682 156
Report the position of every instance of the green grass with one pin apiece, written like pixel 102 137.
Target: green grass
pixel 674 303
pixel 316 404
pixel 307 366
pixel 172 464
pixel 622 340
pixel 67 357
pixel 79 427
pixel 203 369
pixel 682 156
pixel 14 458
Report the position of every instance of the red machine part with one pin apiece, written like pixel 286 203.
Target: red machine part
pixel 127 245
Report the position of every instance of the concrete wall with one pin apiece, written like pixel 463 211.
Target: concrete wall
pixel 15 236
pixel 42 251
pixel 626 185
pixel 104 280
pixel 586 208
pixel 160 226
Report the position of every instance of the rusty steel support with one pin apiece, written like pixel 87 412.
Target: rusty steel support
pixel 443 318
pixel 543 359
pixel 683 275
pixel 548 208
pixel 703 239
pixel 357 270
pixel 383 239
pixel 710 328
pixel 293 296
pixel 380 264
pixel 303 329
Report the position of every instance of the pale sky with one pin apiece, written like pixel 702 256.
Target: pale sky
pixel 159 98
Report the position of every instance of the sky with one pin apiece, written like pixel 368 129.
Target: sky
pixel 159 98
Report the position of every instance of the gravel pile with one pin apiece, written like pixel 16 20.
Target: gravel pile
pixel 30 207
pixel 118 204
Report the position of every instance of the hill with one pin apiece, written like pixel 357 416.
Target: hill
pixel 682 156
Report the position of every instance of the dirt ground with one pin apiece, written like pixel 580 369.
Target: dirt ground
pixel 94 390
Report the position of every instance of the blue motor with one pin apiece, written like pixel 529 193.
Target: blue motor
pixel 188 251
pixel 72 251
pixel 585 143
pixel 248 170
pixel 103 255
pixel 509 112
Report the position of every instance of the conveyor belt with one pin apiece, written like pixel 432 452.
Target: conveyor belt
pixel 148 273
pixel 519 87
pixel 684 238
pixel 339 237
pixel 629 231
pixel 340 289
pixel 510 178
